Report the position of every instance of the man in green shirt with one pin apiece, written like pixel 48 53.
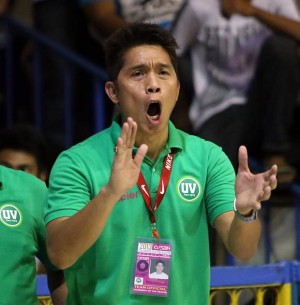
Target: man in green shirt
pixel 142 190
pixel 22 237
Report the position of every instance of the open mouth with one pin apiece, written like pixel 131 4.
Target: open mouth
pixel 154 110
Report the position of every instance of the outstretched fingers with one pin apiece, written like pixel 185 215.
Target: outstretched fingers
pixel 127 137
pixel 265 194
pixel 130 139
pixel 270 177
pixel 243 159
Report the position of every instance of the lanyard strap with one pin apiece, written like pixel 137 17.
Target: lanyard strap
pixel 162 188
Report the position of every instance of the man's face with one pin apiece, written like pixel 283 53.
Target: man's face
pixel 159 267
pixel 21 160
pixel 147 88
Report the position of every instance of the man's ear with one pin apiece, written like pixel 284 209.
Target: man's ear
pixel 43 175
pixel 178 89
pixel 111 91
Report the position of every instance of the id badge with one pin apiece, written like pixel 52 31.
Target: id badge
pixel 152 266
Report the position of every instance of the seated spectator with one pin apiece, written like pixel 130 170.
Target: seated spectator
pixel 24 148
pixel 105 16
pixel 22 237
pixel 243 53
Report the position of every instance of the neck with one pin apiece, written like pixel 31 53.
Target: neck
pixel 156 143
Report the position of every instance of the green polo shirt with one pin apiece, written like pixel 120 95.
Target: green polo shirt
pixel 22 235
pixel 201 187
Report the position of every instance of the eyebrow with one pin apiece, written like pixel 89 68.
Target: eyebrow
pixel 161 65
pixel 6 164
pixel 19 167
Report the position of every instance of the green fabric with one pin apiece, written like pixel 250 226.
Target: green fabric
pixel 22 235
pixel 103 274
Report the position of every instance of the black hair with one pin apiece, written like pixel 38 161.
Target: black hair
pixel 160 262
pixel 28 139
pixel 133 35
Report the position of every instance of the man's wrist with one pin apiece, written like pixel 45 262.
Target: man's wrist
pixel 249 217
pixel 109 194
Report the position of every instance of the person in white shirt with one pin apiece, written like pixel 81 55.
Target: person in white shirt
pixel 245 70
pixel 159 274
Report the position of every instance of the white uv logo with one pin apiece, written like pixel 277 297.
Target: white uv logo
pixel 10 215
pixel 188 189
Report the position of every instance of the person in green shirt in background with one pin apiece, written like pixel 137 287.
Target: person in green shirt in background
pixel 22 237
pixel 23 147
pixel 143 179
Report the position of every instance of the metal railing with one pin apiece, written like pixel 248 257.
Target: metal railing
pixel 272 284
pixel 70 59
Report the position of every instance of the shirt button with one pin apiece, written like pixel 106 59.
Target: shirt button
pixel 153 169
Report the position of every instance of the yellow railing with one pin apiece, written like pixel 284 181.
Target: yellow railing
pixel 45 300
pixel 269 294
pixel 274 284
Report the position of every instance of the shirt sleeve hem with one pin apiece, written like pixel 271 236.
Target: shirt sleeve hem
pixel 58 214
pixel 220 213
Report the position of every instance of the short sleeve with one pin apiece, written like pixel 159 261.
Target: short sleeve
pixel 40 198
pixel 220 193
pixel 68 187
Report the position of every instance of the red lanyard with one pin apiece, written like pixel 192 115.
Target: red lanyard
pixel 162 188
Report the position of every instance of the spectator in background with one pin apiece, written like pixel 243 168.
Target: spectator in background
pixel 24 148
pixel 243 52
pixel 105 16
pixel 22 237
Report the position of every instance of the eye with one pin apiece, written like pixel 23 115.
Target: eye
pixel 164 72
pixel 24 168
pixel 137 73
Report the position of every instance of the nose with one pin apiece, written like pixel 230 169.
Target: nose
pixel 153 85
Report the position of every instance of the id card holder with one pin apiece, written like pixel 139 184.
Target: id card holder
pixel 152 267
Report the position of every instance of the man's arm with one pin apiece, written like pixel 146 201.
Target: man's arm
pixel 276 22
pixel 57 287
pixel 186 28
pixel 102 15
pixel 241 238
pixel 69 237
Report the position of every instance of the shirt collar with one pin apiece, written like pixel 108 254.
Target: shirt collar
pixel 174 144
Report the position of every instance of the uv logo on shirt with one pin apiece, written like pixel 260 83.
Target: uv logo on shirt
pixel 188 189
pixel 10 215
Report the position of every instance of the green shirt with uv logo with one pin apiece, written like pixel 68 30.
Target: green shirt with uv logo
pixel 201 187
pixel 22 235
